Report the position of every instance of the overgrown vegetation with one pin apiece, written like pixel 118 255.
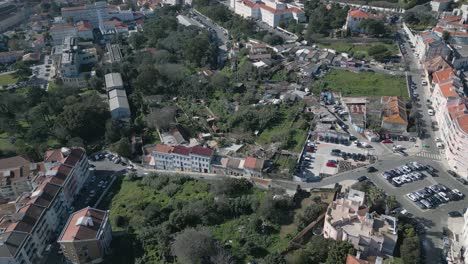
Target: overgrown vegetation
pixel 225 221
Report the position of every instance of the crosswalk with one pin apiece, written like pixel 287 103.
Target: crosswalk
pixel 429 155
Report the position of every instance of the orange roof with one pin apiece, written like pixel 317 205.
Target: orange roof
pixel 358 13
pixel 442 75
pixel 448 90
pixel 456 111
pixel 350 259
pixel 452 18
pixel 163 148
pixel 84 224
pixel 462 121
pixel 394 110
pixel 253 163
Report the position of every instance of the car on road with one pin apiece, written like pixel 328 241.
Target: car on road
pixel 387 141
pixel 451 172
pixel 454 214
pixel 371 169
pixel 362 178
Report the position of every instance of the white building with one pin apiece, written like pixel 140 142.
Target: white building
pixel 439 5
pixel 113 81
pixel 68 58
pixel 451 114
pixel 96 13
pixel 268 11
pixel 118 104
pixel 180 158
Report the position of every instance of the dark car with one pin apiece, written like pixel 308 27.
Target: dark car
pixel 451 172
pixel 362 178
pixel 462 181
pixel 455 214
pixel 371 169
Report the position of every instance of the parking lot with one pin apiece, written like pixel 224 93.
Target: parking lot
pixel 410 172
pixel 322 159
pixel 435 195
pixel 103 166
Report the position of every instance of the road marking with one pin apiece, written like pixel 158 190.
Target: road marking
pixel 429 155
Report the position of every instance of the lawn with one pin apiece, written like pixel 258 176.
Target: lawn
pixel 357 48
pixel 6 79
pixel 363 84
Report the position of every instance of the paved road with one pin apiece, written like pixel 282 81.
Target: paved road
pixel 221 32
pixel 433 219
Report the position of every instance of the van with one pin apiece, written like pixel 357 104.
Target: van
pixel 430 112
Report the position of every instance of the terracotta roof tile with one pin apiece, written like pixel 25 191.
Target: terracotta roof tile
pixel 79 228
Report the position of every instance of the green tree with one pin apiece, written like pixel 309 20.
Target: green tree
pixel 123 148
pixel 274 258
pixel 339 251
pixel 84 117
pixel 373 27
pixel 410 250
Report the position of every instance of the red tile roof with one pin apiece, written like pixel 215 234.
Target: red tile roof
pixel 358 13
pixel 442 75
pixel 181 150
pixel 463 122
pixel 288 9
pixel 163 148
pixel 201 151
pixel 448 90
pixel 252 163
pixel 84 224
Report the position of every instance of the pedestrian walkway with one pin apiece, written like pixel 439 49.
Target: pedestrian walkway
pixel 429 155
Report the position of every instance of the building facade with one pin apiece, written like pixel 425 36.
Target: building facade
pixel 269 11
pixel 451 114
pixel 180 158
pixel 96 13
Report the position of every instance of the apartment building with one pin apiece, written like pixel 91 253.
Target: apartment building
pixel 86 236
pixel 181 158
pixel 271 12
pixel 69 57
pixel 82 29
pixel 41 213
pixel 348 219
pixel 96 13
pixel 17 173
pixel 451 114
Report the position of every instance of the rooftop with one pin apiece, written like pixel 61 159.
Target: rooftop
pixel 84 224
pixel 113 80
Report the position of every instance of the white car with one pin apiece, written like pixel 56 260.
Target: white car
pixel 440 145
pixel 412 197
pixel 457 192
pixel 444 196
pixel 438 140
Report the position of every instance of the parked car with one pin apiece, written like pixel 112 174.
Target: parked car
pixel 454 214
pixel 362 178
pixel 451 172
pixel 387 141
pixel 371 169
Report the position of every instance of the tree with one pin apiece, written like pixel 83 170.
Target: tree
pixel 410 250
pixel 84 117
pixel 338 252
pixel 274 258
pixel 373 27
pixel 445 36
pixel 318 248
pixel 379 52
pixel 123 148
pixel 193 246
